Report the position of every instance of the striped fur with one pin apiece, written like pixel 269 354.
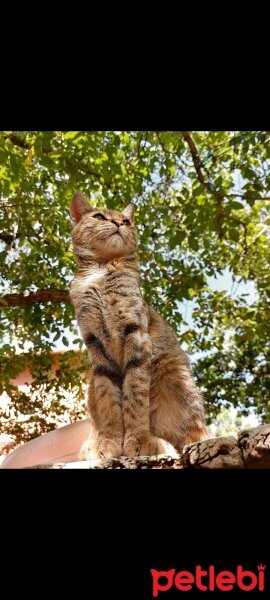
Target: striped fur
pixel 141 390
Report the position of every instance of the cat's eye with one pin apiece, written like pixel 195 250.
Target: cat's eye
pixel 99 216
pixel 127 222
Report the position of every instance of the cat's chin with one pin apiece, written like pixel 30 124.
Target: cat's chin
pixel 113 249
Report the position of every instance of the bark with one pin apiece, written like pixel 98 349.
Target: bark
pixel 250 450
pixel 26 298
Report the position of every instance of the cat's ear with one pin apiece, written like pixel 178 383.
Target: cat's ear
pixel 128 212
pixel 79 207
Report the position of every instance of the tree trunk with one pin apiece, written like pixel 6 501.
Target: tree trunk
pixel 250 450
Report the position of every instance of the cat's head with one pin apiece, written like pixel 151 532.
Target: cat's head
pixel 102 233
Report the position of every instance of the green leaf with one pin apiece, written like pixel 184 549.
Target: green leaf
pixel 71 135
pixel 233 205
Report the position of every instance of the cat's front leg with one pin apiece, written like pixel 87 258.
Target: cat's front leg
pixel 136 387
pixel 104 401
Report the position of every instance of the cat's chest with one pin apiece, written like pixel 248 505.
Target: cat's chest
pixel 114 295
pixel 90 279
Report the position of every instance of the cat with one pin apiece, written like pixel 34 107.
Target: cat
pixel 141 392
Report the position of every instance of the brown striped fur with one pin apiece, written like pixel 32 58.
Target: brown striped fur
pixel 141 390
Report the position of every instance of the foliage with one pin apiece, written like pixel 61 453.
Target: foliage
pixel 227 423
pixel 201 202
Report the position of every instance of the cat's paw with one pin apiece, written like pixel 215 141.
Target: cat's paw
pixel 132 446
pixel 102 447
pixel 89 451
pixel 109 448
pixel 143 445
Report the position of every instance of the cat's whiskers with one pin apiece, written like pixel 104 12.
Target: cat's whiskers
pixel 101 232
pixel 94 237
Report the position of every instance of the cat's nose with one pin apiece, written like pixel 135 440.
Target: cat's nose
pixel 117 223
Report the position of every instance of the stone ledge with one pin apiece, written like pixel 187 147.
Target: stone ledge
pixel 251 449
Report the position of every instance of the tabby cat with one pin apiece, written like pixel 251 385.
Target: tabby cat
pixel 141 390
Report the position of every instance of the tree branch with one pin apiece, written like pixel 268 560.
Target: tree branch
pixel 27 298
pixel 8 238
pixel 17 141
pixel 196 159
pixel 85 169
pixel 161 142
pixel 211 188
pixel 247 197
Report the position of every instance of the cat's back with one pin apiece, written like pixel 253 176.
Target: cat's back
pixel 164 340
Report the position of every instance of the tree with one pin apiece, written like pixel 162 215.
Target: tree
pixel 228 422
pixel 201 203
